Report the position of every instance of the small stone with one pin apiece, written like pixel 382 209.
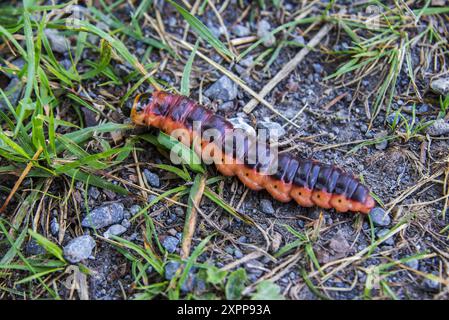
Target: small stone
pixel 240 30
pixel 263 32
pixel 383 144
pixel 238 254
pixel 241 124
pixel 273 129
pixel 189 283
pixel 104 216
pixel 94 193
pixel 57 41
pixel 79 249
pixel 431 285
pixel 170 244
pixel 54 226
pixel 33 248
pixel 152 178
pixel 114 230
pixel 229 105
pixel 125 223
pixel 299 40
pixel 414 264
pixel 318 68
pixel 339 244
pixel 134 209
pixel 223 89
pixel 383 232
pixel 440 86
pixel 170 269
pixel 393 119
pixel 266 206
pixel 379 217
pixel 438 128
pixel 179 212
pixel 12 92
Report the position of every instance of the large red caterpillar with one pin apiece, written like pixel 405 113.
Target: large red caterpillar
pixel 308 182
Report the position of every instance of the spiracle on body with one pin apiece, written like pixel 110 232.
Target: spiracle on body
pixel 306 181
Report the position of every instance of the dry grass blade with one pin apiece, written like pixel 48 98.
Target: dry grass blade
pixel 22 176
pixel 195 196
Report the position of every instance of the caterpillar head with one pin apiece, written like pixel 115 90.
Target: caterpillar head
pixel 140 111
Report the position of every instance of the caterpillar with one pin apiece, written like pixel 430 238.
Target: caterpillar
pixel 306 181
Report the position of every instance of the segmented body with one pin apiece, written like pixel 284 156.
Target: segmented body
pixel 306 181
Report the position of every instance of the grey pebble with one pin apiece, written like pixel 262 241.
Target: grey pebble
pixel 134 209
pixel 125 223
pixel 152 178
pixel 170 244
pixel 266 206
pixel 226 106
pixel 54 226
pixel 114 230
pixel 440 86
pixel 381 233
pixel 431 285
pixel 382 145
pixel 414 264
pixel 170 269
pixel 379 217
pixel 79 249
pixel 94 193
pixel 263 32
pixel 32 248
pixel 238 254
pixel 318 68
pixel 224 89
pixel 273 129
pixel 104 216
pixel 240 30
pixel 438 128
pixel 57 41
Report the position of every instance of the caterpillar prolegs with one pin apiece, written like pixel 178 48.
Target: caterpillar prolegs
pixel 306 181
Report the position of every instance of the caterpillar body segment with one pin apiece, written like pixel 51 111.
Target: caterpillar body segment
pixel 306 181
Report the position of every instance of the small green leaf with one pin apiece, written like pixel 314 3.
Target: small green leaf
pixel 267 290
pixel 215 275
pixel 235 284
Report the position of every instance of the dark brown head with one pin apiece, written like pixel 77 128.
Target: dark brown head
pixel 141 109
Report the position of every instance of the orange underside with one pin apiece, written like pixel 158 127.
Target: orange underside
pixel 254 180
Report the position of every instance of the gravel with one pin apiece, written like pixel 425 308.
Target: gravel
pixel 115 230
pixel 440 86
pixel 32 248
pixel 152 178
pixel 382 145
pixel 263 32
pixel 380 217
pixel 381 233
pixel 414 264
pixel 438 128
pixel 274 130
pixel 266 206
pixel 170 269
pixel 104 216
pixel 223 89
pixel 57 41
pixel 79 249
pixel 339 243
pixel 170 244
pixel 241 31
pixel 54 226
